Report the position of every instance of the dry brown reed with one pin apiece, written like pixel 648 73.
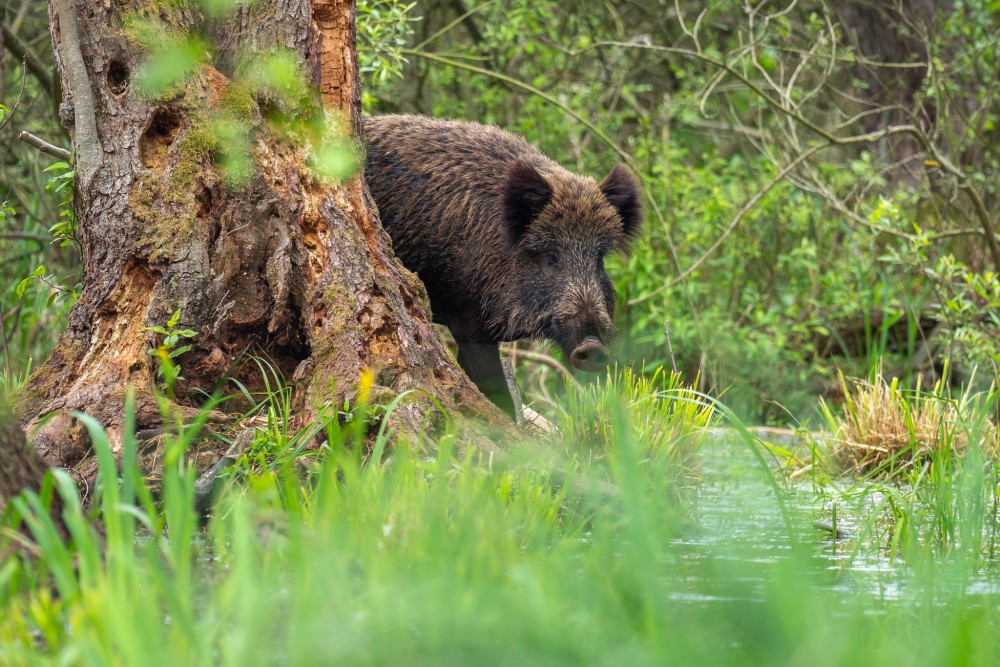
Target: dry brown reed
pixel 886 429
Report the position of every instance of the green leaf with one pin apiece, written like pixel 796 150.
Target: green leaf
pixel 335 161
pixel 171 67
pixel 179 351
pixel 282 74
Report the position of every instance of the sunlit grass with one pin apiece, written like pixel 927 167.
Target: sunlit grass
pixel 924 467
pixel 886 429
pixel 448 559
pixel 668 419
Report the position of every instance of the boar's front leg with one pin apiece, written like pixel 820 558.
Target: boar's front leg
pixel 481 362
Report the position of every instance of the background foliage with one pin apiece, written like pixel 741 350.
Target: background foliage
pixel 862 248
pixel 821 182
pixel 792 226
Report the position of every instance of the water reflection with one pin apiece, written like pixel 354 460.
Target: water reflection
pixel 739 546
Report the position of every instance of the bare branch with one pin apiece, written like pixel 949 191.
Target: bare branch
pixel 850 60
pixel 732 225
pixel 85 137
pixel 933 151
pixel 45 147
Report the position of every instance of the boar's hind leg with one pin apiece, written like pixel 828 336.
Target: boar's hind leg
pixel 481 362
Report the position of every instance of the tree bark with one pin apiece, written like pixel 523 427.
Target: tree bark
pixel 899 32
pixel 286 266
pixel 20 468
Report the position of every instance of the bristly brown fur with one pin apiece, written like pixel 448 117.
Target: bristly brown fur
pixel 623 194
pixel 508 243
pixel 524 193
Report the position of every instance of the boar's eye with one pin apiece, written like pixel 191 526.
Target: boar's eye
pixel 552 259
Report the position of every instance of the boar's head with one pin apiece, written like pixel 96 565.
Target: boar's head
pixel 560 227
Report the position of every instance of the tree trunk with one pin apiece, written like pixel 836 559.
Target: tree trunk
pixel 20 468
pixel 900 32
pixel 285 266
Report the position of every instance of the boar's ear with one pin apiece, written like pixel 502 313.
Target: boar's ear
pixel 623 193
pixel 525 193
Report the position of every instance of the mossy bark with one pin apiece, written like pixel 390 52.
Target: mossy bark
pixel 284 265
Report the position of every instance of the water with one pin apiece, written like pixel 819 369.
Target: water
pixel 740 545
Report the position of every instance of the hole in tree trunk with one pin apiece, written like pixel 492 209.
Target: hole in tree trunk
pixel 157 139
pixel 118 74
pixel 205 199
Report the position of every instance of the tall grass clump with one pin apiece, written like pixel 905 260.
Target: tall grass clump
pixel 668 419
pixel 886 429
pixel 445 559
pixel 927 468
pixel 441 559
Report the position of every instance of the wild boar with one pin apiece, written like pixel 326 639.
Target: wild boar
pixel 509 244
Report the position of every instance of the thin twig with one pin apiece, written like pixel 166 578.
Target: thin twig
pixel 852 59
pixel 464 14
pixel 45 147
pixel 57 288
pixel 747 207
pixel 451 62
pixel 13 315
pixel 37 68
pixel 542 358
pixel 670 348
pixel 10 113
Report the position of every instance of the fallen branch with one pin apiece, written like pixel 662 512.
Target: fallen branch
pixel 206 488
pixel 45 147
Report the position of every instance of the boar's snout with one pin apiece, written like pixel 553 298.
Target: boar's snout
pixel 590 355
